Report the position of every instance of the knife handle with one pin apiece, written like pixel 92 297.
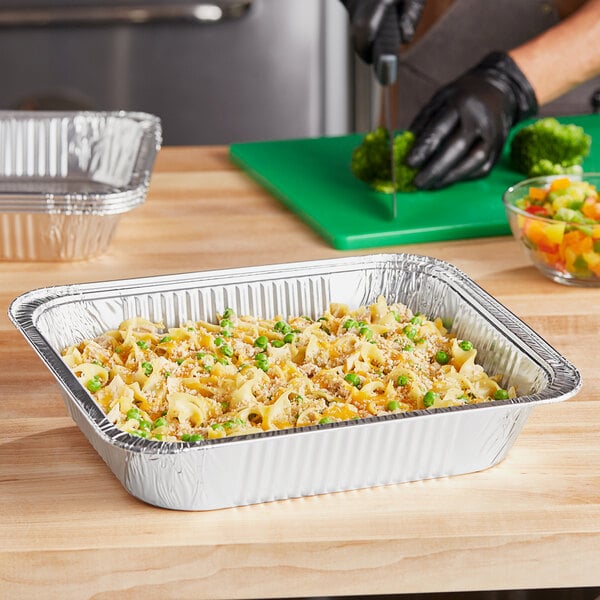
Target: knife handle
pixel 385 47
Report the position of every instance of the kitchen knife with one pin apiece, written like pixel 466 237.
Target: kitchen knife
pixel 385 63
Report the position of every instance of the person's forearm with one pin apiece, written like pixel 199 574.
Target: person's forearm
pixel 562 57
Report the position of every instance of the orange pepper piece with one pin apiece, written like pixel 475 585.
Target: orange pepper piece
pixel 536 193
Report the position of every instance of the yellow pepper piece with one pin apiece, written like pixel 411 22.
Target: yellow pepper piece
pixel 560 184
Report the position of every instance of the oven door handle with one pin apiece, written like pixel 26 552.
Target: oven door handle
pixel 198 12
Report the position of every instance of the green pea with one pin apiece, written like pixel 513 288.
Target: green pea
pixel 179 361
pixel 417 319
pixel 143 344
pixel 261 342
pixel 148 368
pixel 277 343
pixel 134 413
pixel 500 394
pixel 160 422
pixel 442 357
pixel 353 379
pixel 349 324
pixel 393 405
pixel 218 341
pixel 165 339
pixel 288 338
pixel 216 426
pixel 325 420
pixel 228 313
pixel 402 380
pixel 227 351
pixel 145 425
pixel 138 433
pixel 408 348
pixel 94 384
pixel 222 361
pixel 226 323
pixel 282 327
pixel 410 332
pixel 118 349
pixel 429 398
pixel 466 345
pixel 185 437
pixel 366 332
pixel 200 355
pixel 196 437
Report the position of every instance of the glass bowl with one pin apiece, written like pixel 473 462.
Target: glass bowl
pixel 557 221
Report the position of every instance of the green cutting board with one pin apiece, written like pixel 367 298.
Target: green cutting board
pixel 312 177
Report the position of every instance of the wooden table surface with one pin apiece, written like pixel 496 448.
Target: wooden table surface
pixel 68 529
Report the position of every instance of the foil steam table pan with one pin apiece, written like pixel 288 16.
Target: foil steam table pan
pixel 290 463
pixel 66 179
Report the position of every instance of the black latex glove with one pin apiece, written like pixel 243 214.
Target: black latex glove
pixel 366 18
pixel 461 131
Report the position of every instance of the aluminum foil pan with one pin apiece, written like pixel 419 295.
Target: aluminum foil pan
pixel 289 463
pixel 67 177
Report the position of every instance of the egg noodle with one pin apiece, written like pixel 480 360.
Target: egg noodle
pixel 245 374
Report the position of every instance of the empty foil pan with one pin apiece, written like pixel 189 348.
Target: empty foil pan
pixel 66 178
pixel 290 463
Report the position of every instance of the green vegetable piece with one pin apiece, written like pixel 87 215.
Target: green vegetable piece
pixel 367 332
pixel 94 384
pixel 148 368
pixel 402 380
pixel 228 313
pixel 465 345
pixel 500 394
pixel 442 357
pixel 145 425
pixel 185 437
pixel 288 338
pixel 349 324
pixel 226 323
pixel 353 379
pixel 218 341
pixel 325 420
pixel 548 147
pixel 261 342
pixel 196 437
pixel 216 426
pixel 165 339
pixel 143 344
pixel 429 398
pixel 160 422
pixel 282 327
pixel 393 405
pixel 227 351
pixel 134 413
pixel 277 343
pixel 410 332
pixel 371 161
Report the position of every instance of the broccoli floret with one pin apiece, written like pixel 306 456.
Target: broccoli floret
pixel 548 147
pixel 371 161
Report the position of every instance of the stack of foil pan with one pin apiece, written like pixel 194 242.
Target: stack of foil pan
pixel 66 179
pixel 273 465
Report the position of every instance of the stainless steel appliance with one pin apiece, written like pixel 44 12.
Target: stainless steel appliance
pixel 214 72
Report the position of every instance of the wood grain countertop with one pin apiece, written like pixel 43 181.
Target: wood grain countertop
pixel 68 529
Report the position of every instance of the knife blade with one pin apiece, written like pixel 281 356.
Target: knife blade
pixel 385 62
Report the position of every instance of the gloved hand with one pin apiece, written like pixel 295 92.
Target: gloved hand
pixel 366 18
pixel 460 132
